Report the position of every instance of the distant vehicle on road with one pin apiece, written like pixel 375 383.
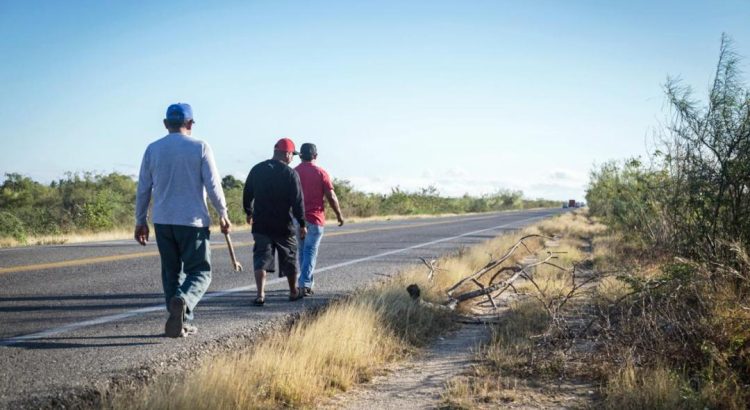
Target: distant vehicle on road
pixel 572 203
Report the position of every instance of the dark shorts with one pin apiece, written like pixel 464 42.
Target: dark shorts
pixel 264 251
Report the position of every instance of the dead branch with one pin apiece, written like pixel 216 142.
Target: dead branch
pixel 487 290
pixel 432 266
pixel 495 263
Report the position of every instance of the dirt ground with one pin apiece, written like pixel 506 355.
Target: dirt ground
pixel 418 383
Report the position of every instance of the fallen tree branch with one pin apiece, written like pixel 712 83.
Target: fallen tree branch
pixel 495 263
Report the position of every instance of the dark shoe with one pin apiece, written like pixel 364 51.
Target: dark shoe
pixel 188 329
pixel 259 301
pixel 297 296
pixel 176 320
pixel 307 291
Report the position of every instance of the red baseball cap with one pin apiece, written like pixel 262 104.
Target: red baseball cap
pixel 286 145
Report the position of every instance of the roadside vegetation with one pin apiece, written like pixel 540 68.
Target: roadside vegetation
pixel 666 322
pixel 101 206
pixel 348 342
pixel 683 219
pixel 323 353
pixel 319 356
pixel 529 350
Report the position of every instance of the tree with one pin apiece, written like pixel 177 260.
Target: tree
pixel 229 182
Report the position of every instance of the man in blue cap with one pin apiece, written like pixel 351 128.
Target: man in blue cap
pixel 178 171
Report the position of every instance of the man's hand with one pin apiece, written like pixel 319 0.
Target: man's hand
pixel 225 225
pixel 340 219
pixel 302 232
pixel 141 234
pixel 249 220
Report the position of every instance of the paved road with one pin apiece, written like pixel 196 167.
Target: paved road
pixel 74 314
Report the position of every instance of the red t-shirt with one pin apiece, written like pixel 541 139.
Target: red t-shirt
pixel 315 183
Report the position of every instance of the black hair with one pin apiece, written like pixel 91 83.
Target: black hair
pixel 176 125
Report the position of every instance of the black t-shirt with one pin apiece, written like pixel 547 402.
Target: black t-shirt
pixel 272 190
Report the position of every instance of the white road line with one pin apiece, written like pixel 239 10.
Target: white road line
pixel 210 295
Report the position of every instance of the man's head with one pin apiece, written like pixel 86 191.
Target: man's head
pixel 308 152
pixel 179 118
pixel 284 151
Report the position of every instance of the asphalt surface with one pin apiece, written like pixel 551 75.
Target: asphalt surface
pixel 71 315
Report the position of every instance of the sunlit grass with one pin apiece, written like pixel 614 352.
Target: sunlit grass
pixel 634 388
pixel 325 355
pixel 347 343
pixel 320 356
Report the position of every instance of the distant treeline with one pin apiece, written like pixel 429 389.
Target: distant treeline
pixel 91 202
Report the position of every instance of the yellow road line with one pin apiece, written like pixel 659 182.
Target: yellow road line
pixel 114 258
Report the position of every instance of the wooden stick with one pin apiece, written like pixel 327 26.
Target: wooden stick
pixel 235 265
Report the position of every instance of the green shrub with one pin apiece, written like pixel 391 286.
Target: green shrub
pixel 690 204
pixel 11 227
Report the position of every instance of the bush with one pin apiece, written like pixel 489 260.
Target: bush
pixel 11 227
pixel 98 202
pixel 694 198
pixel 692 204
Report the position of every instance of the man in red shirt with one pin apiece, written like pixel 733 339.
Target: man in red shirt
pixel 316 185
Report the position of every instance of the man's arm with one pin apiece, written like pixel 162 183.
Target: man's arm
pixel 248 196
pixel 331 196
pixel 212 183
pixel 334 202
pixel 142 199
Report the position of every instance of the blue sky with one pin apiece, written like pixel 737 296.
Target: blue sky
pixel 469 96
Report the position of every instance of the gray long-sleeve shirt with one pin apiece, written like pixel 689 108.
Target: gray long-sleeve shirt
pixel 178 171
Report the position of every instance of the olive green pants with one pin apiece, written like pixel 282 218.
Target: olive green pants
pixel 185 263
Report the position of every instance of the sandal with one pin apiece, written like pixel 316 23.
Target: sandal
pixel 259 301
pixel 188 329
pixel 297 296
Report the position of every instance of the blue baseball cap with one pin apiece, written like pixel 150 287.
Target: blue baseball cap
pixel 179 113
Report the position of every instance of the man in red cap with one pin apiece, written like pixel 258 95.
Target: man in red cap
pixel 272 190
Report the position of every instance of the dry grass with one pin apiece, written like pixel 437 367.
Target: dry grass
pixel 611 289
pixel 510 361
pixel 681 342
pixel 465 392
pixel 575 224
pixel 500 378
pixel 318 356
pixel 343 345
pixel 323 354
pixel 510 340
pixel 376 218
pixel 634 388
pixel 83 237
pixel 508 373
pixel 68 238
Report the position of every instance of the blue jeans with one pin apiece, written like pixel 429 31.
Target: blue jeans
pixel 185 263
pixel 308 254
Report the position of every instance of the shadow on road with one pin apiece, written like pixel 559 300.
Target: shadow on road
pixel 37 345
pixel 81 297
pixel 56 302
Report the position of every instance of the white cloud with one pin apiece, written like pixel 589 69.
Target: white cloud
pixel 557 184
pixel 449 182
